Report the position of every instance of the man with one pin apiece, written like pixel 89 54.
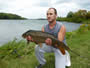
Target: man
pixel 59 31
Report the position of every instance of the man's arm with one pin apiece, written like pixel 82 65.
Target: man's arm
pixel 62 33
pixel 61 36
pixel 43 29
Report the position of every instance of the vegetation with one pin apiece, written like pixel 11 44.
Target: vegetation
pixel 20 55
pixel 81 16
pixel 10 16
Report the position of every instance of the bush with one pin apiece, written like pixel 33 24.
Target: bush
pixel 83 28
pixel 88 26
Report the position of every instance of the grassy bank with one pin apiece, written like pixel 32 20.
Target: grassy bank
pixel 20 55
pixel 79 42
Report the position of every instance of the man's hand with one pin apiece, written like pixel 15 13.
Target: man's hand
pixel 48 41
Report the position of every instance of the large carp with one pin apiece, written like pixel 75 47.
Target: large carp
pixel 40 37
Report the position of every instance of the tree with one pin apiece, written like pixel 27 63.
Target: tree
pixel 70 15
pixel 88 15
pixel 10 16
pixel 81 14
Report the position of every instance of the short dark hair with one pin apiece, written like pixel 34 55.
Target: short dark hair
pixel 54 10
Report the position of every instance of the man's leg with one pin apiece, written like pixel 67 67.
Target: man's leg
pixel 39 52
pixel 68 61
pixel 60 61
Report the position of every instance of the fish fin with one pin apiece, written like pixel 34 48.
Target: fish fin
pixel 40 45
pixel 61 49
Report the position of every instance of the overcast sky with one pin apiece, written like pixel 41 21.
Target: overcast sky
pixel 33 9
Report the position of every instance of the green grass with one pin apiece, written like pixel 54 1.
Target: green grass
pixel 20 55
pixel 80 44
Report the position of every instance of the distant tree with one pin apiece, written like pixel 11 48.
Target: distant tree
pixel 81 14
pixel 70 15
pixel 88 15
pixel 10 16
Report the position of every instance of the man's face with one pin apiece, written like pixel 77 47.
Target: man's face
pixel 51 16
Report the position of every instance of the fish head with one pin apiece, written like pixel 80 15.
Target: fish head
pixel 26 34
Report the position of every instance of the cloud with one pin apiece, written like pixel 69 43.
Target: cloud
pixel 61 1
pixel 83 4
pixel 64 8
pixel 34 12
pixel 38 8
pixel 43 3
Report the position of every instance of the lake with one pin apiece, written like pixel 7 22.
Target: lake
pixel 10 29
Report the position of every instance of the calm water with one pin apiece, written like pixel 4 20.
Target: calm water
pixel 10 29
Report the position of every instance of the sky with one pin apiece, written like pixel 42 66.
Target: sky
pixel 34 9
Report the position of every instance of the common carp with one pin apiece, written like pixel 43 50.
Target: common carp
pixel 40 37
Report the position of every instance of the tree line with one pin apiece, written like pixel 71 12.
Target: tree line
pixel 81 16
pixel 10 16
